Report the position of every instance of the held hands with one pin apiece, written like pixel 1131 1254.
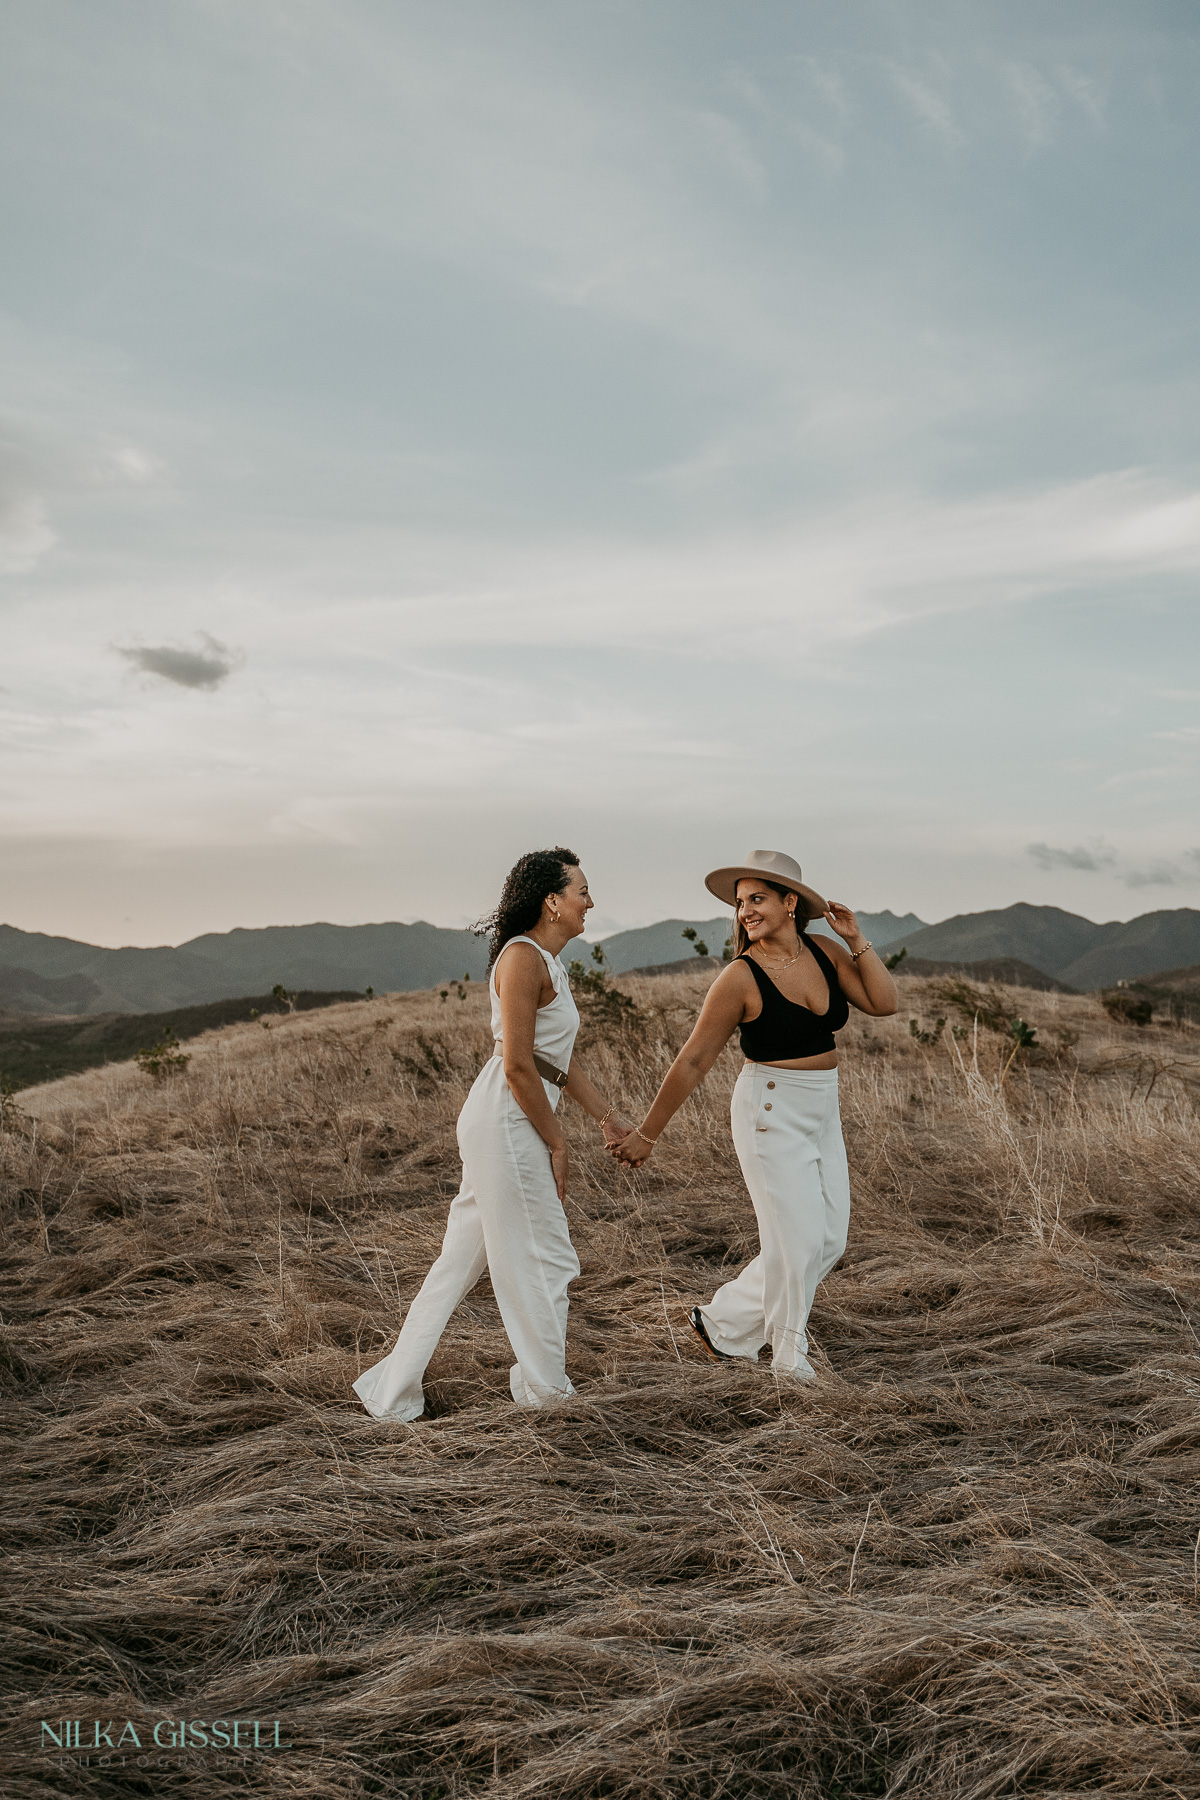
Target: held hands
pixel 843 921
pixel 634 1149
pixel 616 1129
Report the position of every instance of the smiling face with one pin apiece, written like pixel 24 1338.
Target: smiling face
pixel 572 906
pixel 761 912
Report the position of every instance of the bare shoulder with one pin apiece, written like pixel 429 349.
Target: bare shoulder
pixel 523 965
pixel 734 974
pixel 731 985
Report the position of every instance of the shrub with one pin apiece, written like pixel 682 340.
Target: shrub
pixel 926 1037
pixel 605 1012
pixel 163 1058
pixel 1126 1008
pixel 989 1007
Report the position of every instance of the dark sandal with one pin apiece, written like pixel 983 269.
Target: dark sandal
pixel 697 1325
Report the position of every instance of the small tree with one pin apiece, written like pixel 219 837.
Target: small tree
pixel 891 962
pixel 280 993
pixel 163 1058
pixel 698 944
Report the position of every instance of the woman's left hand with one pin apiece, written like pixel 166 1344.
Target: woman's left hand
pixel 840 919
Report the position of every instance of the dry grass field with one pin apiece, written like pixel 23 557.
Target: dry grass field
pixel 965 1562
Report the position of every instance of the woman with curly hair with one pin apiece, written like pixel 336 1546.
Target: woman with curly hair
pixel 507 1216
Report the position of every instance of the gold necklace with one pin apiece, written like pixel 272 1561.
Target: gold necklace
pixel 781 965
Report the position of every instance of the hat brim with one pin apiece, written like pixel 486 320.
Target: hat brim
pixel 723 883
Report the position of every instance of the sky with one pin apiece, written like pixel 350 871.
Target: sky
pixel 667 429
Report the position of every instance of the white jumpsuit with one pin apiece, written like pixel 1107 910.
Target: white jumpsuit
pixel 506 1218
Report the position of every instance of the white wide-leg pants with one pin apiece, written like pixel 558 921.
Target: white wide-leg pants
pixel 506 1218
pixel 788 1136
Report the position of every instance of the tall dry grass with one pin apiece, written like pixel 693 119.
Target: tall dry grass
pixel 965 1562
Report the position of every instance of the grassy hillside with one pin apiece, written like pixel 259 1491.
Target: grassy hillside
pixel 1174 994
pixel 32 1052
pixel 961 1563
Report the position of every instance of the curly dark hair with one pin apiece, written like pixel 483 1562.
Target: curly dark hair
pixel 531 878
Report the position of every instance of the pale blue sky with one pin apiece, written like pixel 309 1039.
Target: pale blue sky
pixel 669 429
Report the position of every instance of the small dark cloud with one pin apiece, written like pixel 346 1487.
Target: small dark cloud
pixel 206 667
pixel 1046 856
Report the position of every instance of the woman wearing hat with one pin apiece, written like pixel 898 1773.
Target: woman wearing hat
pixel 787 995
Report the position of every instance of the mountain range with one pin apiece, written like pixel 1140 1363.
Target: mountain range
pixel 650 945
pixel 56 975
pixel 1074 950
pixel 42 975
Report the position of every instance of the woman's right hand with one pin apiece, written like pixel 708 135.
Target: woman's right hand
pixel 558 1167
pixel 635 1150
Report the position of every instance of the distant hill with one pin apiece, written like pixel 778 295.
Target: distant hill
pixel 41 974
pixel 1009 969
pixel 32 1053
pixel 223 965
pixel 650 946
pixel 885 928
pixel 1073 949
pixel 688 965
pixel 21 991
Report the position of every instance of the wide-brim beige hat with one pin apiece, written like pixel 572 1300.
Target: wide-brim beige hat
pixel 771 865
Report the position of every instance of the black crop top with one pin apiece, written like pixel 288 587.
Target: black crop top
pixel 784 1030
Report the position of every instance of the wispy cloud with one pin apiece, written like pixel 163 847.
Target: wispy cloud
pixel 931 107
pixel 39 467
pixel 1180 872
pixel 1035 102
pixel 204 668
pixel 1101 859
pixel 1047 856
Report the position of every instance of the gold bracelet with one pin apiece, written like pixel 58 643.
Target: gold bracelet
pixel 855 954
pixel 608 1115
pixel 638 1132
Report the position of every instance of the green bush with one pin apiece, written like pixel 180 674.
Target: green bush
pixel 163 1058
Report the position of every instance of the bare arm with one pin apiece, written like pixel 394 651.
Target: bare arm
pixel 720 1016
pixel 865 981
pixel 586 1094
pixel 521 980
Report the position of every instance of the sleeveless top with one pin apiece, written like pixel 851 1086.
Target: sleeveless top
pixel 555 1024
pixel 784 1030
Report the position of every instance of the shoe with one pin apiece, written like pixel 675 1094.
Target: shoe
pixel 697 1325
